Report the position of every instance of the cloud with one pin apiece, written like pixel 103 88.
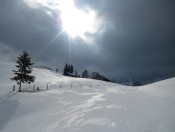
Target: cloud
pixel 7 61
pixel 25 28
pixel 136 38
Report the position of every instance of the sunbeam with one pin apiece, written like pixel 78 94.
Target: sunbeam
pixel 50 43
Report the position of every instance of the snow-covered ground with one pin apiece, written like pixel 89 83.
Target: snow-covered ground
pixel 85 105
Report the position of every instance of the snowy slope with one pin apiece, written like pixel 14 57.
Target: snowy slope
pixel 87 106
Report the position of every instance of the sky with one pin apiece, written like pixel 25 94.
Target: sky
pixel 118 38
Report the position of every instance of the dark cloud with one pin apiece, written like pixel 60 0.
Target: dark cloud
pixel 139 40
pixel 136 39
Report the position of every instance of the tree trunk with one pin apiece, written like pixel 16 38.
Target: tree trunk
pixel 20 86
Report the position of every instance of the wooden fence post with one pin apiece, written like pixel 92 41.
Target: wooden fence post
pixel 34 87
pixel 14 88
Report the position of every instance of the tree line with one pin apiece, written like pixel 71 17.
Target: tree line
pixel 24 66
pixel 69 71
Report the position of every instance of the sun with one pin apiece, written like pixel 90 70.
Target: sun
pixel 74 21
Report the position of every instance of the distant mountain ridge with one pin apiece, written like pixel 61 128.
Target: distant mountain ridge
pixel 127 82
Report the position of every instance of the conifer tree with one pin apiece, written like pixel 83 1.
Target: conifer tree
pixel 66 68
pixel 76 73
pixel 71 69
pixel 24 69
pixel 85 74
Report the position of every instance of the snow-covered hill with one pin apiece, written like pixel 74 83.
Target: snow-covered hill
pixel 85 105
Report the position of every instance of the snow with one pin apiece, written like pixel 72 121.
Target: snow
pixel 88 106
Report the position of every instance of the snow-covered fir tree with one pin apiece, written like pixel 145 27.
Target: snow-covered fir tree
pixel 24 69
